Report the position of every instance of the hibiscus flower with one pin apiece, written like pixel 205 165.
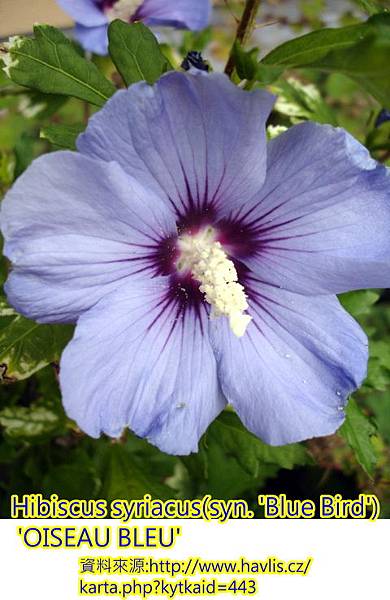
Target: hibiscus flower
pixel 200 264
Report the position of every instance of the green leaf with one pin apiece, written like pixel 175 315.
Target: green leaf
pixel 39 106
pixel 126 480
pixel 231 460
pixel 50 64
pixel 311 47
pixel 215 472
pixel 24 154
pixel 30 423
pixel 62 136
pixel 358 431
pixel 359 302
pixel 381 350
pixel 77 478
pixel 378 377
pixel 7 170
pixel 250 452
pixel 27 347
pixel 359 51
pixel 245 61
pixel 248 68
pixel 301 101
pixel 135 52
pixel 379 403
pixel 371 7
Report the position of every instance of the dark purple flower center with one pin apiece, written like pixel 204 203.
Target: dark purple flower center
pixel 104 4
pixel 237 240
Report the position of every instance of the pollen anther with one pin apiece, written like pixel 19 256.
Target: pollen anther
pixel 210 265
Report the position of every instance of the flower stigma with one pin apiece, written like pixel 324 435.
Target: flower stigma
pixel 123 9
pixel 209 264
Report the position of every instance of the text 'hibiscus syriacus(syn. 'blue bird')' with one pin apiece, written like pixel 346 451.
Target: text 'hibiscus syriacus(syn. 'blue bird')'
pixel 200 264
pixel 92 17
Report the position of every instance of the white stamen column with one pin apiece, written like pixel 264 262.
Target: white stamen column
pixel 210 265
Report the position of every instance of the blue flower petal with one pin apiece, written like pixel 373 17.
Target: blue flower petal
pixel 84 12
pixel 321 222
pixel 289 377
pixel 189 14
pixel 137 361
pixel 201 138
pixel 74 229
pixel 93 39
pixel 108 138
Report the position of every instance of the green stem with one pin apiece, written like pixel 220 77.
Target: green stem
pixel 244 31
